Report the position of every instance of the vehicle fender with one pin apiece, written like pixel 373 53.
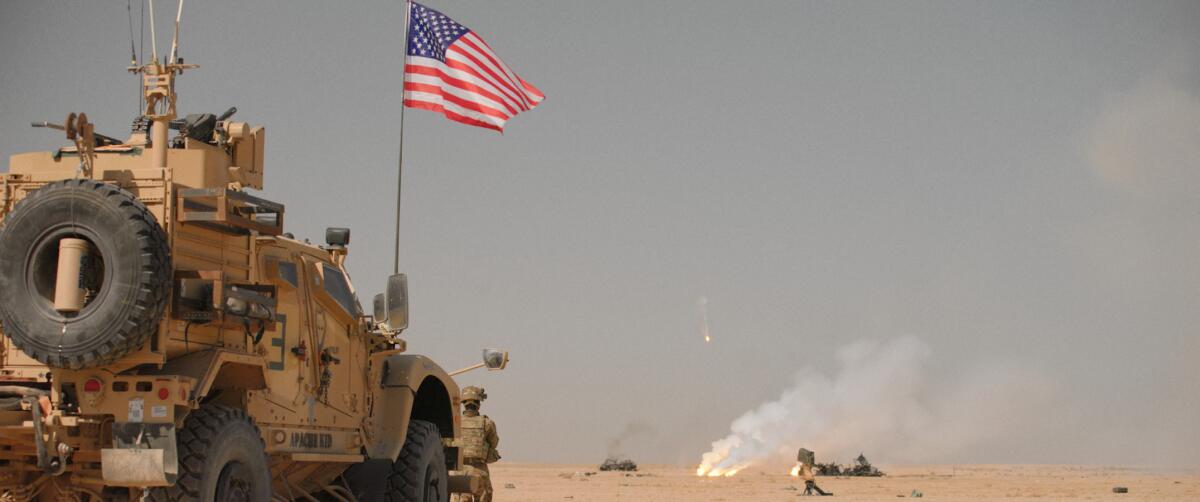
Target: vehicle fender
pixel 218 369
pixel 410 387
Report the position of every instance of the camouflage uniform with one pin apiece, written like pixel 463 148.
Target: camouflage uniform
pixel 807 460
pixel 479 442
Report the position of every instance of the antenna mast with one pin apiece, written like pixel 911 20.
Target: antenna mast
pixel 158 87
pixel 175 38
pixel 153 39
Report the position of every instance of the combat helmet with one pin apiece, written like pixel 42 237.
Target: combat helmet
pixel 473 393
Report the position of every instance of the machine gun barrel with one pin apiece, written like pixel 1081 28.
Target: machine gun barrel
pixel 228 113
pixel 100 138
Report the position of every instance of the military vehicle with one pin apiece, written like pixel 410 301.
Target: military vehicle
pixel 165 339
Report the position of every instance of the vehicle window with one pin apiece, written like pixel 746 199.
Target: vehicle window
pixel 337 287
pixel 287 272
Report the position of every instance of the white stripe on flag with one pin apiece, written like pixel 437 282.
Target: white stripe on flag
pixel 485 72
pixel 437 100
pixel 457 91
pixel 465 76
pixel 499 71
pixel 512 76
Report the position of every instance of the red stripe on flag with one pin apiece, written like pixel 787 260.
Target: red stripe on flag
pixel 506 74
pixel 459 83
pixel 491 55
pixel 465 68
pixel 434 107
pixel 533 90
pixel 499 81
pixel 470 105
pixel 498 91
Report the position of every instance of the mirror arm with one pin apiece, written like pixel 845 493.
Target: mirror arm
pixel 468 368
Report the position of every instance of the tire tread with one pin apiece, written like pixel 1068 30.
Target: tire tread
pixel 149 298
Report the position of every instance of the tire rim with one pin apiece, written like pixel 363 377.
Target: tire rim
pixel 235 483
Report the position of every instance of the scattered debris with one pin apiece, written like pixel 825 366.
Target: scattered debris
pixel 509 485
pixel 916 494
pixel 861 467
pixel 614 464
pixel 1120 489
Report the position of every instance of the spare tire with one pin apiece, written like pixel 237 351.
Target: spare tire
pixel 126 273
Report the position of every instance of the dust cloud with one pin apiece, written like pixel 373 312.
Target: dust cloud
pixel 881 400
pixel 1148 139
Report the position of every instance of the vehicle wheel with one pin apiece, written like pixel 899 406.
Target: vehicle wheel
pixel 126 273
pixel 221 458
pixel 419 475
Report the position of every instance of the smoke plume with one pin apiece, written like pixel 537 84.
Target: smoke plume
pixel 616 445
pixel 880 401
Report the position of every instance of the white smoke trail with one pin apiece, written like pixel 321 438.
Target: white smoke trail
pixel 879 402
pixel 704 330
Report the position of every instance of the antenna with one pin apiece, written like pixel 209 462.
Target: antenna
pixel 132 48
pixel 153 39
pixel 175 39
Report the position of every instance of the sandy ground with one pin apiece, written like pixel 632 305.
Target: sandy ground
pixel 656 483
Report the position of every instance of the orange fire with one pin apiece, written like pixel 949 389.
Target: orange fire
pixel 718 472
pixel 796 470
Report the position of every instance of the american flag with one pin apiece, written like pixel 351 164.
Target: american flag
pixel 451 70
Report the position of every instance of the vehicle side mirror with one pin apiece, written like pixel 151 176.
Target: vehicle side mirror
pixel 495 359
pixel 380 309
pixel 396 302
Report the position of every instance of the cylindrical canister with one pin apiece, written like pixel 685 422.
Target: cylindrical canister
pixel 68 297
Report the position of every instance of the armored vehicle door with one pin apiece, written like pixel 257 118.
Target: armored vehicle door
pixel 291 373
pixel 340 351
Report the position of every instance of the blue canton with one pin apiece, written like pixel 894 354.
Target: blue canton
pixel 430 32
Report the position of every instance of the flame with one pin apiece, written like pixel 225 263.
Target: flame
pixel 707 338
pixel 795 473
pixel 720 472
pixel 718 462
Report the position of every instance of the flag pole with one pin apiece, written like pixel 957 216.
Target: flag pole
pixel 400 159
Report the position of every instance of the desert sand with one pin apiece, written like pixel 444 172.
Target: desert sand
pixel 657 483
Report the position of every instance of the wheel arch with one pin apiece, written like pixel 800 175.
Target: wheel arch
pixel 218 369
pixel 412 387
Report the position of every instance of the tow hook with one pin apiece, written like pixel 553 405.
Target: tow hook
pixel 59 465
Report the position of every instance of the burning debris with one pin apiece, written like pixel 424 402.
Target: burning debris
pixel 615 464
pixel 862 467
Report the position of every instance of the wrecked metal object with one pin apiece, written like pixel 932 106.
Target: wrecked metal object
pixel 613 464
pixel 829 469
pixel 1120 489
pixel 862 467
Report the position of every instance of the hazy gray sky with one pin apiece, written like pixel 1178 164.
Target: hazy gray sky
pixel 1015 184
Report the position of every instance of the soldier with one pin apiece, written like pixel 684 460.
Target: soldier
pixel 479 440
pixel 807 460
